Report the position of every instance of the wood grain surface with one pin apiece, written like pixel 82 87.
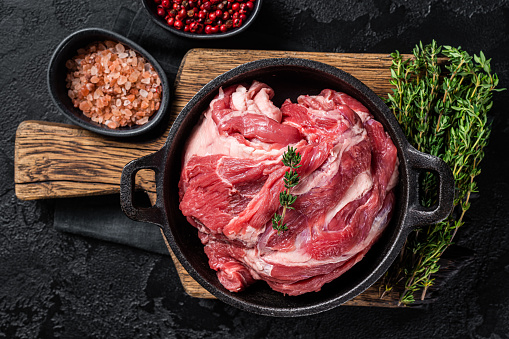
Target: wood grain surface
pixel 57 160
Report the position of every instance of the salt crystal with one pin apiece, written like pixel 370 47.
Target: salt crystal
pixel 127 102
pixel 134 76
pixel 123 55
pixel 111 124
pixel 119 103
pixel 93 70
pixel 98 93
pixel 85 105
pixel 122 80
pixel 107 57
pixel 127 85
pixel 142 121
pixel 146 67
pixel 120 48
pixel 143 93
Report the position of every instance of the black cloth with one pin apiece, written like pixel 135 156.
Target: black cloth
pixel 100 217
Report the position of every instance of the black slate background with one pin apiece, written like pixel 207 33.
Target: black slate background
pixel 54 284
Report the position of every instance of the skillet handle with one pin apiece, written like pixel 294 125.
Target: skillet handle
pixel 153 214
pixel 419 215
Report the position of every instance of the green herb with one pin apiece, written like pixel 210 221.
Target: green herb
pixel 444 115
pixel 291 179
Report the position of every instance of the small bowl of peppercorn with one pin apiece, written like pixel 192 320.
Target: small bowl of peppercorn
pixel 203 19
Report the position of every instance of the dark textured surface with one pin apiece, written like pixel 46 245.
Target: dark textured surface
pixel 57 285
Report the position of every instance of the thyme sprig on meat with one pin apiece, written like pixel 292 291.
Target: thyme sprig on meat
pixel 291 159
pixel 444 115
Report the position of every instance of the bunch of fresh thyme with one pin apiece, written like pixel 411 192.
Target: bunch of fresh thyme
pixel 444 115
pixel 291 159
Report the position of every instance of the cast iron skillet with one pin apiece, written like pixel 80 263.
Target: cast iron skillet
pixel 289 78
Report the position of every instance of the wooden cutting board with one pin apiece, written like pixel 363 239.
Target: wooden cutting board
pixel 57 161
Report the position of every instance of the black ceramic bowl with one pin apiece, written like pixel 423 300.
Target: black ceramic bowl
pixel 57 85
pixel 289 78
pixel 151 8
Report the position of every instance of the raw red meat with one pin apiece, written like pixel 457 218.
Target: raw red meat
pixel 232 176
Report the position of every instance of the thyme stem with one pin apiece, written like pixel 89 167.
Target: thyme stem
pixel 291 159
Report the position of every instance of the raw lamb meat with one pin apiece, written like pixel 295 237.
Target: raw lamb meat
pixel 232 175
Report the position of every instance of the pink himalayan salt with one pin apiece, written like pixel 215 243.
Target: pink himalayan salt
pixel 112 85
